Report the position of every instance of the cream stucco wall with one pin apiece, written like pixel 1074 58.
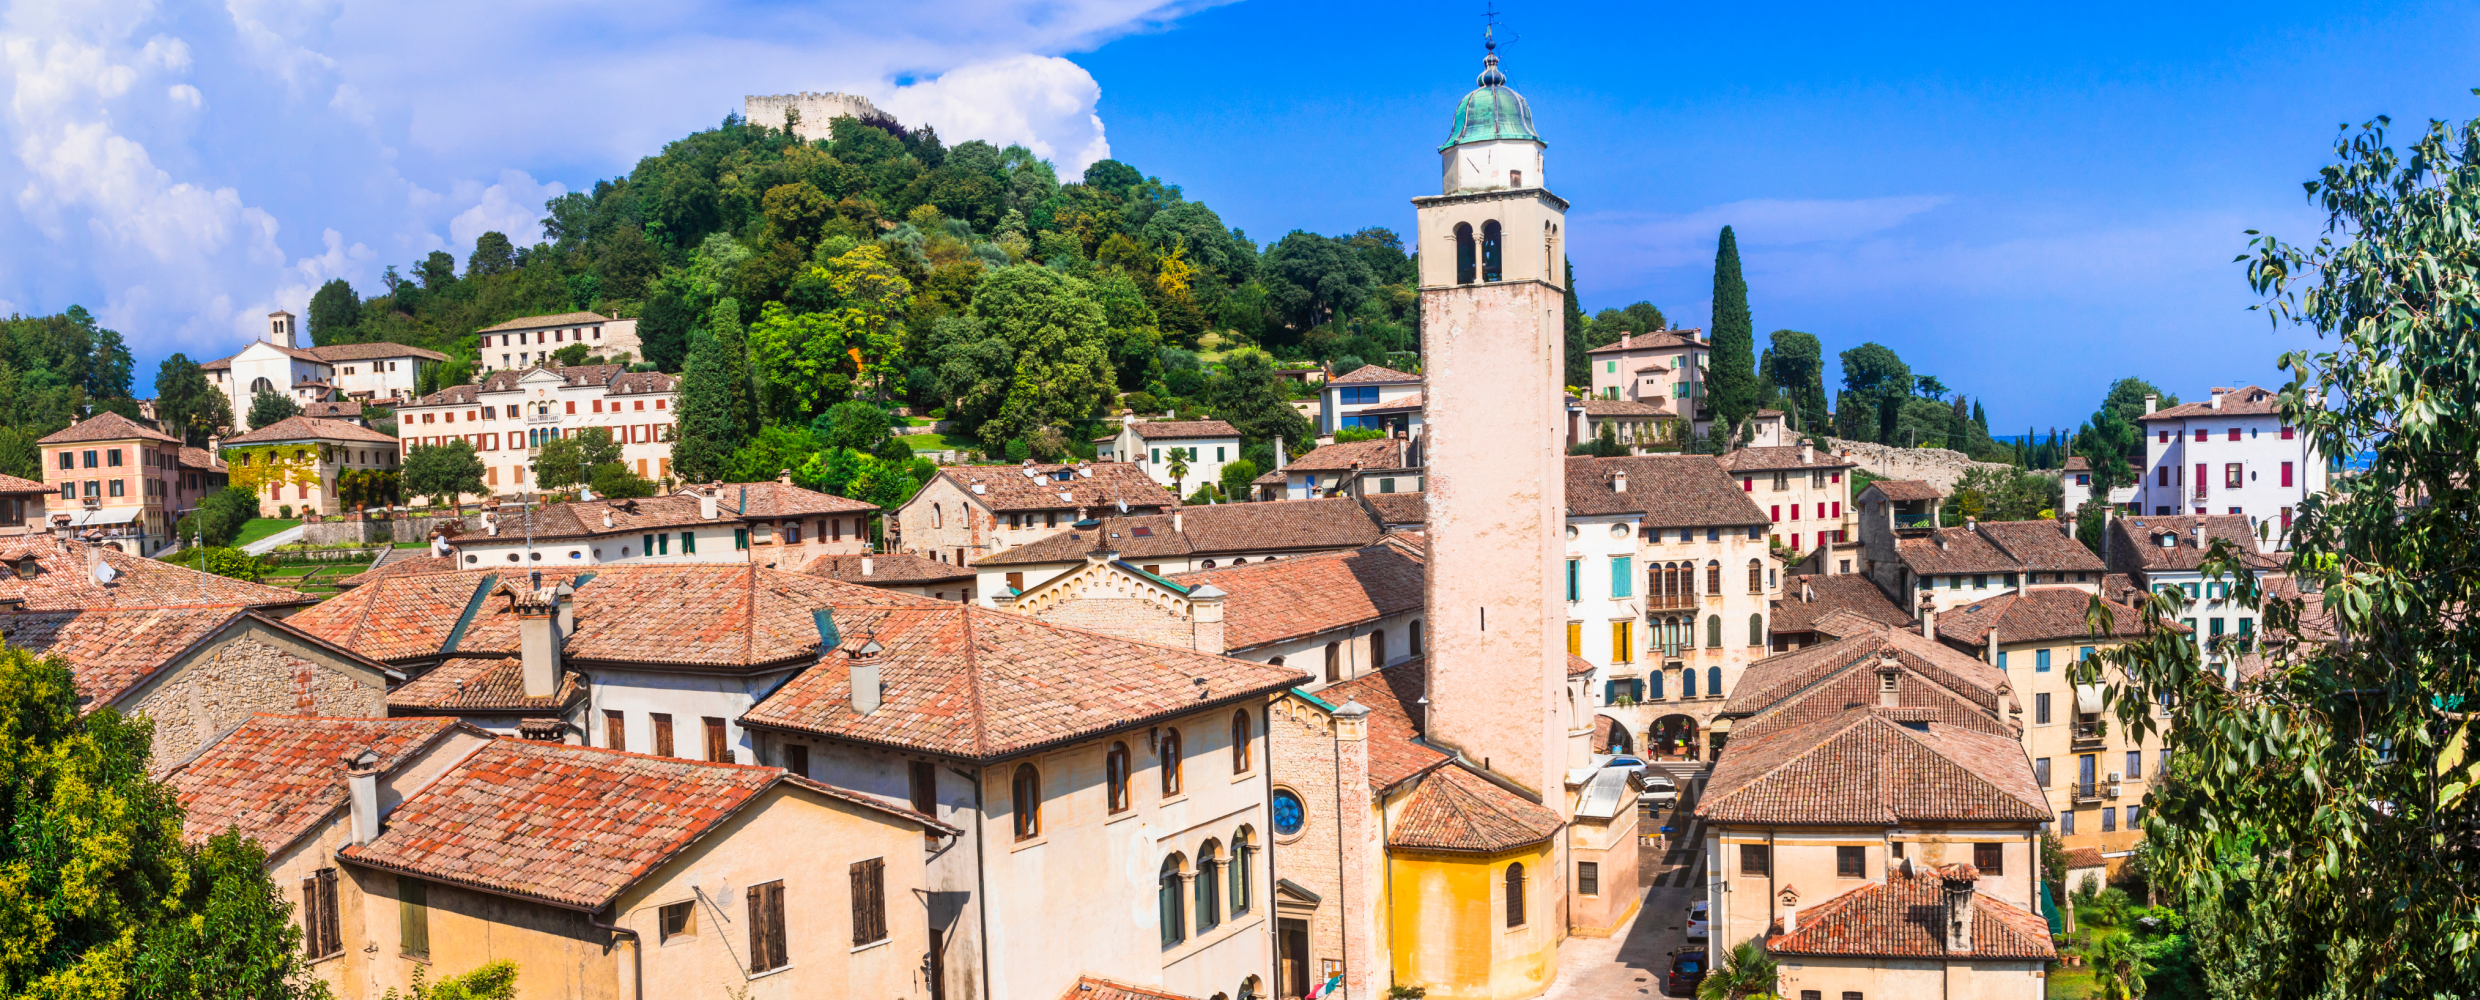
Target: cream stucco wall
pixel 1804 859
pixel 1891 978
pixel 2068 736
pixel 1669 638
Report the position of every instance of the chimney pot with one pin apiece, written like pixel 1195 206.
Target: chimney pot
pixel 1178 523
pixel 1958 882
pixel 1928 623
pixel 361 779
pixel 867 689
pixel 1618 482
pixel 2151 402
pixel 868 566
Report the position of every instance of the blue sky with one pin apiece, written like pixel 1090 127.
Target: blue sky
pixel 2025 204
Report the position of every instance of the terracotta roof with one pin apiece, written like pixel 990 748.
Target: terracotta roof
pixel 782 500
pixel 1669 491
pixel 1305 595
pixel 479 684
pixel 1372 374
pixel 1376 453
pixel 1578 666
pixel 1841 622
pixel 550 319
pixel 292 429
pixel 331 409
pixel 1622 408
pixel 62 581
pixel 333 353
pixel 1859 767
pixel 2251 401
pixel 1007 488
pixel 1905 489
pixel 1824 680
pixel 1410 404
pixel 697 617
pixel 967 682
pixel 278 777
pixel 2136 542
pixel 1810 596
pixel 400 566
pixel 105 426
pixel 1090 988
pixel 889 569
pixel 1213 529
pixel 1398 508
pixel 12 484
pixel 1391 695
pixel 631 383
pixel 1652 341
pixel 1181 430
pixel 584 518
pixel 2077 463
pixel 571 825
pixel 2085 857
pixel 2036 614
pixel 1784 457
pixel 202 459
pixel 1457 810
pixel 1996 547
pixel 1905 917
pixel 109 652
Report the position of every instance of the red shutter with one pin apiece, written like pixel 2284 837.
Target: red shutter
pixel 2286 473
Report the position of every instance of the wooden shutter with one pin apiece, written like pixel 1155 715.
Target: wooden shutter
pixel 310 918
pixel 662 734
pixel 413 916
pixel 331 938
pixel 869 900
pixel 615 730
pixel 758 935
pixel 775 949
pixel 716 748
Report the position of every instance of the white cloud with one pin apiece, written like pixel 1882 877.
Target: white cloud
pixel 169 164
pixel 1043 102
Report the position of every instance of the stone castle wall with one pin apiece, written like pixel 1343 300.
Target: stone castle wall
pixel 1939 467
pixel 817 110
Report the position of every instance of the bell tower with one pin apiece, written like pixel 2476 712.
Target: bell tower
pixel 1493 340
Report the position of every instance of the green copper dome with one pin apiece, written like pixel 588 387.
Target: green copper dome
pixel 1492 110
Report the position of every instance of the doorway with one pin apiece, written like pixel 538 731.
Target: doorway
pixel 1291 961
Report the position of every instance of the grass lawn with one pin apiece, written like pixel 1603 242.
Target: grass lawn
pixel 261 527
pixel 2071 984
pixel 930 442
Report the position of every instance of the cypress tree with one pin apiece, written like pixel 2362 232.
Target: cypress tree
pixel 1980 417
pixel 713 394
pixel 1579 366
pixel 1732 385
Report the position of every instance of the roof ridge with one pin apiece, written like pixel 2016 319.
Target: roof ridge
pixel 973 682
pixel 1919 737
pixel 1859 718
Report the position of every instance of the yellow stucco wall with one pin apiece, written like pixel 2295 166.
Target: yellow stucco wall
pixel 1449 929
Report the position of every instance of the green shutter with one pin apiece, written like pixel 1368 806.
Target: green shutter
pixel 413 918
pixel 1620 576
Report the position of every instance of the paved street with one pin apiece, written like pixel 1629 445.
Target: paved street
pixel 1672 871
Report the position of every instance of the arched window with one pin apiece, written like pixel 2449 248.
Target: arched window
pixel 1243 855
pixel 1713 680
pixel 1756 629
pixel 1756 577
pixel 1209 887
pixel 1169 753
pixel 1490 250
pixel 1713 576
pixel 1115 776
pixel 1416 638
pixel 1173 904
pixel 1252 989
pixel 1027 791
pixel 1713 631
pixel 1334 662
pixel 1241 733
pixel 1515 895
pixel 259 385
pixel 1463 253
pixel 1377 648
pixel 1687 683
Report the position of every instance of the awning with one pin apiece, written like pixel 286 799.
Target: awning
pixel 102 515
pixel 2088 699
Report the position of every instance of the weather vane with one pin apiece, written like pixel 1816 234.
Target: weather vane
pixel 1489 27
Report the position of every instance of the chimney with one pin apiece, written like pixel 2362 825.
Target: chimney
pixel 1205 618
pixel 361 782
pixel 707 502
pixel 1788 901
pixel 1993 644
pixel 1889 679
pixel 868 565
pixel 1808 453
pixel 2218 393
pixel 1958 880
pixel 2151 402
pixel 540 617
pixel 1177 523
pixel 867 689
pixel 1928 623
pixel 784 477
pixel 607 521
pixel 1279 458
pixel 1971 524
pixel 1808 594
pixel 1618 481
pixel 2197 532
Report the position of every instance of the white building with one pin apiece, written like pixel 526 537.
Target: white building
pixel 2231 454
pixel 2166 553
pixel 770 524
pixel 531 340
pixel 2075 484
pixel 1353 468
pixel 1345 396
pixel 1205 446
pixel 510 414
pixel 279 363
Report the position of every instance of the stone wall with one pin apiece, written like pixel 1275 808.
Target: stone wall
pixel 817 110
pixel 218 688
pixel 354 531
pixel 1938 467
pixel 1304 763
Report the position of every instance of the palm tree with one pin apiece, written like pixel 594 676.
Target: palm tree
pixel 1178 468
pixel 1746 972
pixel 2117 968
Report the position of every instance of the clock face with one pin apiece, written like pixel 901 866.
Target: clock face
pixel 1287 812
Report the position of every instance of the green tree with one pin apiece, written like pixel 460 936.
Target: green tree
pixel 335 310
pixel 1178 468
pixel 269 406
pixel 1579 364
pixel 1731 383
pixel 2117 967
pixel 187 403
pixel 2114 436
pixel 1054 337
pixel 709 428
pixel 619 482
pixel 853 424
pixel 2345 768
pixel 570 459
pixel 1744 972
pixel 221 515
pixel 444 471
pixel 102 897
pixel 1238 479
pixel 1251 397
pixel 493 254
pixel 19 455
pixel 1796 363
pixel 1873 373
pixel 489 981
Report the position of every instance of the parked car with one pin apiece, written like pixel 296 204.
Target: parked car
pixel 1659 789
pixel 1624 762
pixel 1687 970
pixel 1696 921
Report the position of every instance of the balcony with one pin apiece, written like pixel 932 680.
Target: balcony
pixel 2086 736
pixel 2087 792
pixel 1912 521
pixel 542 418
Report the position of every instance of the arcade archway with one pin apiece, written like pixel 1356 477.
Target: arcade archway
pixel 1672 736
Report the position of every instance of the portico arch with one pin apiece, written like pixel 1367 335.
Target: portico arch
pixel 1672 736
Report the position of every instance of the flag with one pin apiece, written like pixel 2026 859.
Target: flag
pixel 1332 985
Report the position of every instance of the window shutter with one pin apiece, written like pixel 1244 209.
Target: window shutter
pixel 776 951
pixel 331 939
pixel 869 900
pixel 759 936
pixel 413 916
pixel 309 915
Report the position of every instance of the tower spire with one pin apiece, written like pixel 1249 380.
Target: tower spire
pixel 1490 74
